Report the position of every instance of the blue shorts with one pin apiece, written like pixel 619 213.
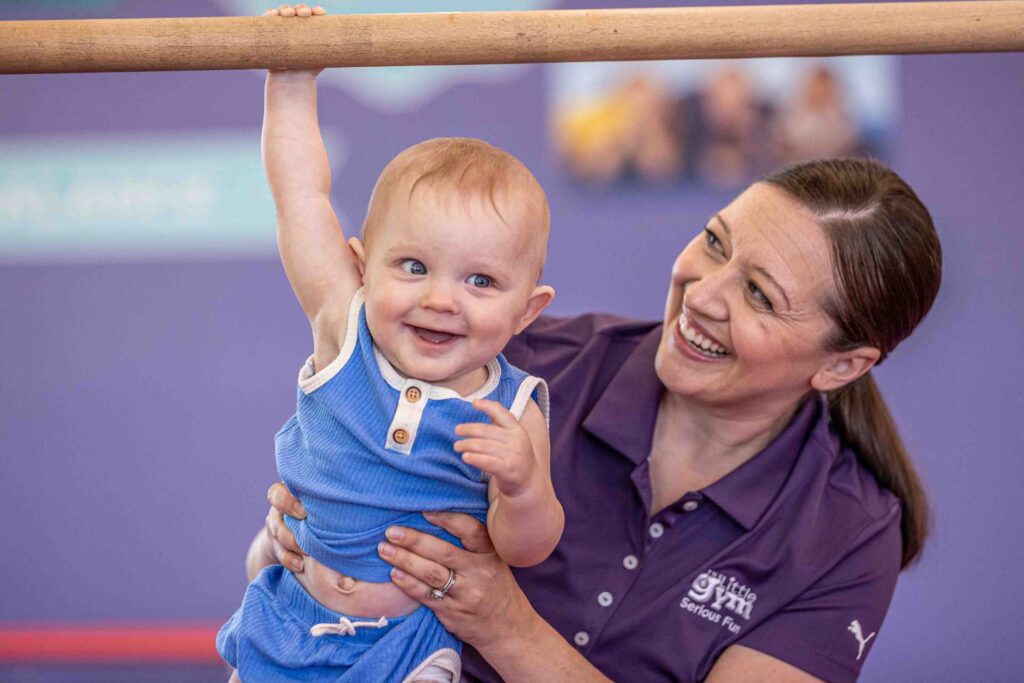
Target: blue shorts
pixel 268 638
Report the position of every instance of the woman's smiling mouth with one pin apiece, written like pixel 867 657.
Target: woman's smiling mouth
pixel 698 340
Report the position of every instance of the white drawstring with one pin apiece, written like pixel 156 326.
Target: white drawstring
pixel 345 627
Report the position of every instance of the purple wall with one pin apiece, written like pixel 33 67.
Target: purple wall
pixel 138 400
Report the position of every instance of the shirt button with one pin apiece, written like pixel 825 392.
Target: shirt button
pixel 581 638
pixel 604 599
pixel 656 530
pixel 412 394
pixel 630 562
pixel 401 436
pixel 690 506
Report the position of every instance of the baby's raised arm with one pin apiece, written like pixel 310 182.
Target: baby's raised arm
pixel 320 266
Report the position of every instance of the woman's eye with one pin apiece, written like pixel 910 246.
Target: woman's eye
pixel 712 240
pixel 760 297
pixel 478 280
pixel 414 267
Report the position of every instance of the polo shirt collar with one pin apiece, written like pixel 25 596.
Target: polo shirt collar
pixel 746 492
pixel 624 415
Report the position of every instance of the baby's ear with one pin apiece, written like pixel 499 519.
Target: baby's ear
pixel 540 298
pixel 356 245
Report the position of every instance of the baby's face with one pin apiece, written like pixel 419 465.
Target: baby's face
pixel 447 283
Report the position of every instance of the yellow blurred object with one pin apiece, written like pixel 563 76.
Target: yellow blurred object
pixel 593 125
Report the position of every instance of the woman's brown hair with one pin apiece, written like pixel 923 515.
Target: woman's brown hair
pixel 887 264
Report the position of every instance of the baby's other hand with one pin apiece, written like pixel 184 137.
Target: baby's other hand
pixel 501 449
pixel 300 10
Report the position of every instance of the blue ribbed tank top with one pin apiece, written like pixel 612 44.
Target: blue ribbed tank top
pixel 368 448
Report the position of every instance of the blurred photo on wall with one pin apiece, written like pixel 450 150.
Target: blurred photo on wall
pixel 716 124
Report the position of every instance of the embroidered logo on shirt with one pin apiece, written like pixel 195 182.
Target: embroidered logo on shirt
pixel 855 629
pixel 713 593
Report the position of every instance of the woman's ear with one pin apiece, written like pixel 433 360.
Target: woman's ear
pixel 845 367
pixel 540 298
pixel 356 245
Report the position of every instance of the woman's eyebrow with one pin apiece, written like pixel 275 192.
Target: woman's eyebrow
pixel 759 269
pixel 768 276
pixel 724 225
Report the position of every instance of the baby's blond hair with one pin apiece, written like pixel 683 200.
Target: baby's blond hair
pixel 473 170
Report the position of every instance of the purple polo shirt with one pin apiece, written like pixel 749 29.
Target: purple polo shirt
pixel 794 554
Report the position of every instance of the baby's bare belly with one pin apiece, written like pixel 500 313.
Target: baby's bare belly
pixel 356 598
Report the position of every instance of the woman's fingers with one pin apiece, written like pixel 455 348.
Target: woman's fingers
pixel 282 542
pixel 484 603
pixel 428 572
pixel 426 546
pixel 293 561
pixel 282 500
pixel 427 558
pixel 466 528
pixel 280 533
pixel 414 588
pixel 286 548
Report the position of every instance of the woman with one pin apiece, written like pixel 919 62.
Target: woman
pixel 738 502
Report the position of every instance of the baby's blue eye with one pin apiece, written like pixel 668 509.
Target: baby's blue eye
pixel 478 280
pixel 414 267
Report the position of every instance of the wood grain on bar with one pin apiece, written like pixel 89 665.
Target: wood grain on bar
pixel 74 46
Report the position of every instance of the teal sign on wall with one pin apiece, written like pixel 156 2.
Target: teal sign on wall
pixel 143 196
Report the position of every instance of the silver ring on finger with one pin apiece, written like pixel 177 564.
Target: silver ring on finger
pixel 440 593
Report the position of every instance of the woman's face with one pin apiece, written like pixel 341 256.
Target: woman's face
pixel 744 323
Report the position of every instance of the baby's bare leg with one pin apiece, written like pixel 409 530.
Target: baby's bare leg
pixel 234 677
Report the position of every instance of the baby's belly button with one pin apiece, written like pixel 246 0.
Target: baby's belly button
pixel 363 599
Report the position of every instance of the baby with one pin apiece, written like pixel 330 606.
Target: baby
pixel 408 325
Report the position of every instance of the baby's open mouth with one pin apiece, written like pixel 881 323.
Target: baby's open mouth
pixel 434 336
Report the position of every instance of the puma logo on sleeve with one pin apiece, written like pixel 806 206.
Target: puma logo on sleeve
pixel 855 629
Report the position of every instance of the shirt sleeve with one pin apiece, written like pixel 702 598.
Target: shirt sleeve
pixel 829 630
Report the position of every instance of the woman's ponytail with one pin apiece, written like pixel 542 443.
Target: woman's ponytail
pixel 863 421
pixel 887 264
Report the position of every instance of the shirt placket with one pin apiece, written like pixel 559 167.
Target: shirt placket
pixel 412 399
pixel 625 573
pixel 612 588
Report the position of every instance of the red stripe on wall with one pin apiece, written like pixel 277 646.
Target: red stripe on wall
pixel 120 642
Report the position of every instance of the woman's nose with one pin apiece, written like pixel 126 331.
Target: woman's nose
pixel 706 296
pixel 440 298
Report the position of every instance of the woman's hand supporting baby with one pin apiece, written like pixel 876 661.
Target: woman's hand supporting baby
pixel 485 607
pixel 275 544
pixel 484 603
